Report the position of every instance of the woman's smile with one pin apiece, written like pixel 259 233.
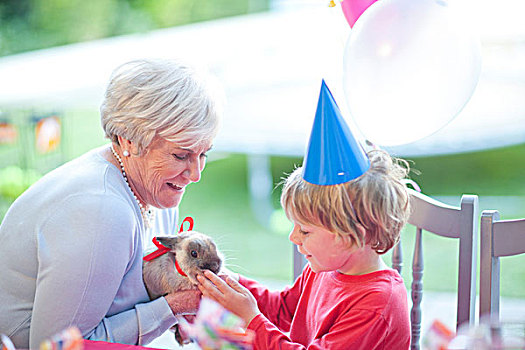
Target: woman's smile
pixel 175 187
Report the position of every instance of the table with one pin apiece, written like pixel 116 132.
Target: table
pixel 102 345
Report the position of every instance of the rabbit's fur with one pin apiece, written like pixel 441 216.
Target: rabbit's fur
pixel 194 251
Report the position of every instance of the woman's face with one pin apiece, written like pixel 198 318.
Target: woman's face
pixel 160 175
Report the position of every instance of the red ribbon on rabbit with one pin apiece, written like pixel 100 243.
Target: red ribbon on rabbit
pixel 163 250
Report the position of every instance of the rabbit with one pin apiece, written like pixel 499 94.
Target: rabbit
pixel 194 252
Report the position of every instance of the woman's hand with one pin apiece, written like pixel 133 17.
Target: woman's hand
pixel 184 302
pixel 230 294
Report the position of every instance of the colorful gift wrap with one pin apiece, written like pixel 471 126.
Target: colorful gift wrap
pixel 6 343
pixel 68 339
pixel 438 336
pixel 215 328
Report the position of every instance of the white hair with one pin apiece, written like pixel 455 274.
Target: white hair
pixel 168 98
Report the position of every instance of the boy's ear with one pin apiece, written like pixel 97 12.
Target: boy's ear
pixel 169 241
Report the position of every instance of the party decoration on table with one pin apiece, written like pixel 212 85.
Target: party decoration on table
pixel 68 339
pixel 487 334
pixel 410 66
pixel 353 9
pixel 333 155
pixel 6 343
pixel 438 336
pixel 47 134
pixel 215 328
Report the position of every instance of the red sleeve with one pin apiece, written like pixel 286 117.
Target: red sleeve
pixel 356 330
pixel 347 326
pixel 278 306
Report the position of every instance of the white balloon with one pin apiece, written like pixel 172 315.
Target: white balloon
pixel 410 66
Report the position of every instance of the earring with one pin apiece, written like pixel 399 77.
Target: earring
pixel 125 153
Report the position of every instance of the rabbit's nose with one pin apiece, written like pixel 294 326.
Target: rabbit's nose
pixel 213 266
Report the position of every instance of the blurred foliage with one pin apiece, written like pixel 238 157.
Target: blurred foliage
pixel 15 180
pixel 495 172
pixel 35 24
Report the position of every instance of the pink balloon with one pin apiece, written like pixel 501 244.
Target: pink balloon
pixel 352 9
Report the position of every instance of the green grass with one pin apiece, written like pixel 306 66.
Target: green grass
pixel 499 172
pixel 220 205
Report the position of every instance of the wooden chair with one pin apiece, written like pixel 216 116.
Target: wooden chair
pixel 432 216
pixel 498 238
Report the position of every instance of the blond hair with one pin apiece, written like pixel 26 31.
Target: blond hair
pixel 168 98
pixel 378 201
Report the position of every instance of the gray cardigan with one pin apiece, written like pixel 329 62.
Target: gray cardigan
pixel 71 252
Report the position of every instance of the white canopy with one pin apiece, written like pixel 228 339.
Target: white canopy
pixel 271 65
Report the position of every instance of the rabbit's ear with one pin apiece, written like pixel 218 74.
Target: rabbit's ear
pixel 169 241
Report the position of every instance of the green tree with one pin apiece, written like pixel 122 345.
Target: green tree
pixel 35 24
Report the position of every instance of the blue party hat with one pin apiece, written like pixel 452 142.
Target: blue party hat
pixel 333 156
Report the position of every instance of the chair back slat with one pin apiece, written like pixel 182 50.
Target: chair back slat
pixel 468 259
pixel 434 217
pixel 397 257
pixel 498 238
pixel 510 237
pixel 417 291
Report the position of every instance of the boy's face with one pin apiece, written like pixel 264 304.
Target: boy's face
pixel 323 250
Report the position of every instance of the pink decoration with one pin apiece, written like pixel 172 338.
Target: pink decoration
pixel 352 9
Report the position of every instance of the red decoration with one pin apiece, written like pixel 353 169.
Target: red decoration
pixel 8 134
pixel 163 250
pixel 160 251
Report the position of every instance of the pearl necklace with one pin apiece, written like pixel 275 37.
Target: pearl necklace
pixel 148 216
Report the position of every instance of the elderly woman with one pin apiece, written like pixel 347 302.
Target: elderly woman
pixel 71 246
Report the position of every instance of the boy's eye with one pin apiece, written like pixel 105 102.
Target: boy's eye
pixel 204 155
pixel 194 253
pixel 303 232
pixel 180 157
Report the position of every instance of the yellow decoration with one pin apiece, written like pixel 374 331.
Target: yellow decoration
pixel 332 3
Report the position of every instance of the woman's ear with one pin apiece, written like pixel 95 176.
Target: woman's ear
pixel 127 145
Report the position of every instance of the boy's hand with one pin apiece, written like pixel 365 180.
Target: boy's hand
pixel 225 272
pixel 230 294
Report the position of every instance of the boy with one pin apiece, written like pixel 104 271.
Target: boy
pixel 344 219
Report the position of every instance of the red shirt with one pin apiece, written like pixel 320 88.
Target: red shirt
pixel 330 310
